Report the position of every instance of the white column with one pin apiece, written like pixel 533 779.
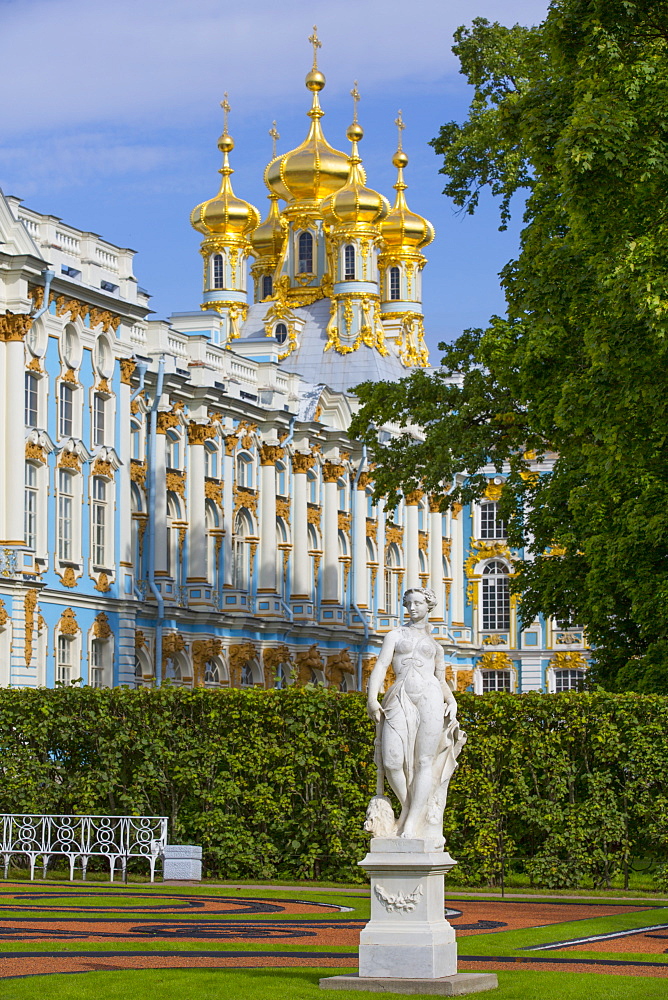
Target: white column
pixel 228 507
pixel 5 415
pixel 268 541
pixel 457 566
pixel 380 577
pixel 330 587
pixel 196 504
pixel 359 555
pixel 300 560
pixel 159 512
pixel 14 457
pixel 436 562
pixel 411 541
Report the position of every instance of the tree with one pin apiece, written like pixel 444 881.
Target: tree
pixel 575 113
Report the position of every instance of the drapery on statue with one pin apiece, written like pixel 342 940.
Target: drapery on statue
pixel 418 738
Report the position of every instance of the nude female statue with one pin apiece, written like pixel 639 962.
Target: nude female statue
pixel 418 737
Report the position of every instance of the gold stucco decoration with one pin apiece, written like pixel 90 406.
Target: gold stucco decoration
pixel 101 626
pixel 102 584
pixel 204 650
pixel 128 366
pixel 176 483
pixel 240 654
pixel 14 326
pixel 29 604
pixel 302 463
pixel 568 661
pixel 68 624
pixel 307 660
pixel 495 661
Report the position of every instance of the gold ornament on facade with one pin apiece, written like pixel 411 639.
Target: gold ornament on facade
pixel 493 491
pixel 306 661
pixel 140 640
pixel 138 472
pixel 103 584
pixel 423 541
pixel 270 454
pixel 29 604
pixel 393 535
pixel 204 650
pixel 568 661
pixel 231 442
pixel 567 638
pixel 413 498
pixel 313 514
pixel 244 497
pixel 283 508
pixel 464 680
pixel 446 546
pixel 4 615
pixel 344 521
pixel 128 366
pixel 70 376
pixel 199 433
pixel 368 663
pixel 332 471
pixel 176 483
pixel 214 491
pixel 336 666
pixel 435 503
pixel 68 624
pixel 496 661
pixel 247 432
pixel 495 640
pixel 168 418
pixel 68 579
pixel 412 348
pixel 172 643
pixel 102 468
pixel 101 626
pixel 371 332
pixel 301 462
pixel 372 528
pixel 14 326
pixel 35 453
pixel 456 509
pixel 240 655
pixel 272 658
pixel 365 480
pixel 483 550
pixel 109 320
pixel 35 365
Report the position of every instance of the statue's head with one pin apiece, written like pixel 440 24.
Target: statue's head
pixel 426 592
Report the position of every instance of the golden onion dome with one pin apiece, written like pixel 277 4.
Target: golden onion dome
pixel 403 228
pixel 355 203
pixel 314 169
pixel 269 236
pixel 226 215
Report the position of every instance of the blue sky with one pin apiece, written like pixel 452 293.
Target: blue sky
pixel 111 116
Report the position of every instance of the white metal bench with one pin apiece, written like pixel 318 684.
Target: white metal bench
pixel 116 838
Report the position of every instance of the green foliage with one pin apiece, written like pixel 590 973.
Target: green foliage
pixel 276 783
pixel 574 113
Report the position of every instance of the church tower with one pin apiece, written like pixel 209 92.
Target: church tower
pixel 405 235
pixel 227 223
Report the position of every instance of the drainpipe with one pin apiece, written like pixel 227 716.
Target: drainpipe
pixel 153 431
pixel 48 276
pixel 141 368
pixel 353 570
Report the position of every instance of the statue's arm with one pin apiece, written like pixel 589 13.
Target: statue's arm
pixel 378 676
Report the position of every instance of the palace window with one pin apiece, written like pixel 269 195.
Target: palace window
pixel 395 283
pixel 312 486
pixel 64 651
pixel 281 680
pixel 281 333
pixel 65 514
pixel 99 404
pixel 30 507
pixel 342 488
pixel 568 680
pixel 173 548
pixel 211 674
pixel 99 522
pixel 495 680
pixel 281 479
pixel 31 400
pixel 137 442
pixel 267 286
pixel 217 271
pixel 245 471
pixel 305 253
pixel 241 550
pixel 491 525
pixel 211 460
pixel 211 522
pixel 247 679
pixel 66 410
pixel 173 450
pixel 495 596
pixel 349 263
pixel 138 527
pixel 97 664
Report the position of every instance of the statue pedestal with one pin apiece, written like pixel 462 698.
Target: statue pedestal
pixel 408 946
pixel 408 936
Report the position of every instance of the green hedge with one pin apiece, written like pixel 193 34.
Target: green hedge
pixel 275 783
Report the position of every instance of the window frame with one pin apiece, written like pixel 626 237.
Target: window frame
pixel 495 597
pixel 394 284
pixel 305 252
pixel 66 395
pixel 349 262
pixel 31 400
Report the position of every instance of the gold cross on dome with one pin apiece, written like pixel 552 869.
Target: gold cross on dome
pixel 399 122
pixel 355 94
pixel 225 105
pixel 273 132
pixel 316 43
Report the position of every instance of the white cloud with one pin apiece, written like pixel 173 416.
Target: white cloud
pixel 76 63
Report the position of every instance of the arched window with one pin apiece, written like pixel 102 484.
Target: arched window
pixel 64 659
pixel 31 400
pixel 395 283
pixel 349 263
pixel 241 550
pixel 315 555
pixel 282 557
pixel 65 410
pixel 30 507
pixel 98 675
pixel 173 450
pixel 342 488
pixel 137 443
pixel 305 253
pixel 173 555
pixel 98 522
pixel 65 515
pixel 245 471
pixel 211 522
pixel 491 525
pixel 267 286
pixel 211 674
pixel 281 332
pixel 281 479
pixel 138 522
pixel 392 562
pixel 217 273
pixel 370 509
pixel 495 596
pixel 281 677
pixel 372 568
pixel 211 460
pixel 99 419
pixel 247 679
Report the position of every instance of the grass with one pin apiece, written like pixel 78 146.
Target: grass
pixel 302 984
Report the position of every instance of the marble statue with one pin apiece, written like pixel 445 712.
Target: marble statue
pixel 418 738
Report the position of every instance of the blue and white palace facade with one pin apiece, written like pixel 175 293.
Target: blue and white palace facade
pixel 180 499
